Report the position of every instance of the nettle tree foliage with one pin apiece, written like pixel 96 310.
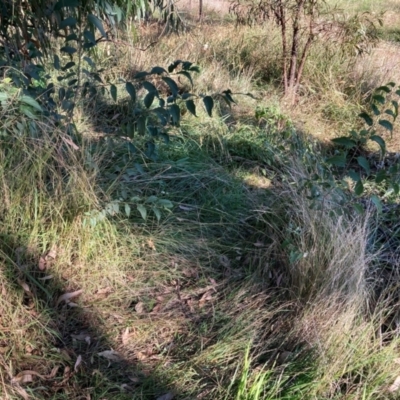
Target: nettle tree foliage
pixel 302 23
pixel 63 33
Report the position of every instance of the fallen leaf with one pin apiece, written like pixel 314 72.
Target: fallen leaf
pixel 24 286
pixel 167 396
pixel 42 263
pixel 26 377
pixel 151 244
pixel 185 208
pixel 68 296
pixel 106 290
pixel 224 260
pixel 110 355
pixel 71 143
pixel 139 308
pixel 22 392
pixel 52 252
pixel 126 388
pixel 77 363
pixel 46 278
pixel 125 337
pixel 395 386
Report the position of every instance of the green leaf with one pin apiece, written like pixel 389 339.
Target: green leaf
pixel 141 125
pixel 186 65
pixel 69 21
pixel 345 142
pixel 148 99
pixel 68 65
pixel 375 109
pixel 172 66
pixel 209 104
pixel 380 176
pixel 359 208
pixel 57 62
pixel 363 162
pixel 149 87
pixel 131 90
pixel 368 120
pixel 165 137
pixel 158 71
pixel 66 3
pixel 386 124
pixel 172 85
pixel 354 175
pixel 378 204
pixel 68 49
pixel 27 111
pixel 89 61
pixel 338 160
pixel 381 143
pixel 384 89
pixel 165 203
pixel 140 75
pixel 359 188
pixel 31 102
pixel 191 107
pixel 157 213
pixel 379 98
pixel 143 211
pixel 113 90
pixel 127 210
pixel 175 113
pixel 90 37
pixel 187 74
pixel 195 68
pixel 97 23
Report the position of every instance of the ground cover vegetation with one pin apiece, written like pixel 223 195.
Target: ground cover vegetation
pixel 199 203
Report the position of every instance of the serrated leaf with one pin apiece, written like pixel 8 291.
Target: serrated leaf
pixel 363 162
pixel 378 204
pixel 345 142
pixel 68 49
pixel 143 211
pixel 377 139
pixel 386 124
pixel 69 21
pixel 359 188
pixel 172 85
pixel 113 91
pixel 131 90
pixel 127 210
pixel 338 160
pixel 97 23
pixel 175 113
pixel 368 120
pixel 187 74
pixel 158 70
pixel 209 104
pixel 148 99
pixel 191 107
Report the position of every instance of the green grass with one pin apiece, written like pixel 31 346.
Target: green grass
pixel 238 286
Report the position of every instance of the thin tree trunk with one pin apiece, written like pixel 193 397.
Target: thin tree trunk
pixel 200 10
pixel 282 16
pixel 295 45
